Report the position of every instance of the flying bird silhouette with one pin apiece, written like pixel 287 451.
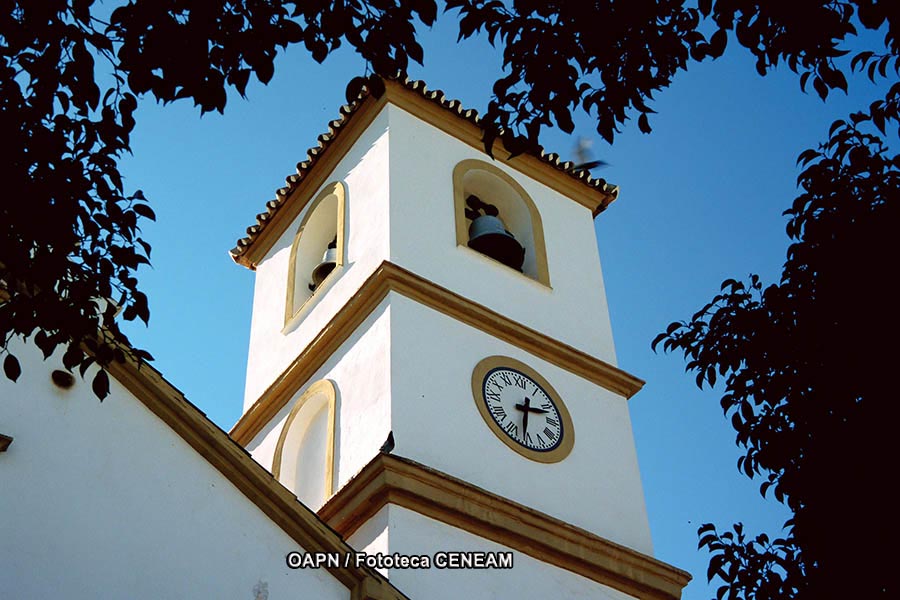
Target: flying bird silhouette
pixel 583 155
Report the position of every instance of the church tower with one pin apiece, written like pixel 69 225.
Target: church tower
pixel 431 362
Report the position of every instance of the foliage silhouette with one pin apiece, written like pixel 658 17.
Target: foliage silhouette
pixel 804 382
pixel 805 368
pixel 805 363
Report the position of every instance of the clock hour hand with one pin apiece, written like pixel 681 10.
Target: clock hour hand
pixel 525 410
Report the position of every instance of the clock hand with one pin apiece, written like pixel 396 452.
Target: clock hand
pixel 526 408
pixel 529 408
pixel 525 417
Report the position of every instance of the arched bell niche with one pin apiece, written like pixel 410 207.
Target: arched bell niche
pixel 514 206
pixel 304 454
pixel 321 229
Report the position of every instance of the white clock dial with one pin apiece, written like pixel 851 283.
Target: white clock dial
pixel 522 409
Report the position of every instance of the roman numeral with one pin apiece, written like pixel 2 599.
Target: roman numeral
pixel 528 439
pixel 498 411
pixel 493 396
pixel 547 406
pixel 550 433
pixel 520 380
pixel 512 429
pixel 505 378
pixel 552 422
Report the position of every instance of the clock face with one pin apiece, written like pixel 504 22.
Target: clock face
pixel 522 409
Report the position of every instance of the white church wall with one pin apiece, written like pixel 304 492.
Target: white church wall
pixel 412 533
pixel 360 369
pixel 273 345
pixel 373 536
pixel 423 240
pixel 104 500
pixel 436 422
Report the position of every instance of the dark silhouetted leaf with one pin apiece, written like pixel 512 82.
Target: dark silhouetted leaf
pixel 145 211
pixel 11 367
pixel 100 384
pixel 644 124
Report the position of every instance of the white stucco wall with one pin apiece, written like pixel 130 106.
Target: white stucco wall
pixel 103 500
pixel 373 536
pixel 272 345
pixel 360 369
pixel 412 533
pixel 423 240
pixel 436 422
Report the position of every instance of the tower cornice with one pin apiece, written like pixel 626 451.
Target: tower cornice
pixel 390 277
pixel 398 481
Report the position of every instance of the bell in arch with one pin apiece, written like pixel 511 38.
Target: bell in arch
pixel 488 235
pixel 324 268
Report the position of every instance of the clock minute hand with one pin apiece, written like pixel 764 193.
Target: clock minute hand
pixel 528 408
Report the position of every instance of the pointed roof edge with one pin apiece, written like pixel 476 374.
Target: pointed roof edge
pixel 594 193
pixel 248 476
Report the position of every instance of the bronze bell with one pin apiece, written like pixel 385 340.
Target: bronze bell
pixel 488 236
pixel 324 268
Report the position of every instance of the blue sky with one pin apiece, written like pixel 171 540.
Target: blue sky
pixel 701 200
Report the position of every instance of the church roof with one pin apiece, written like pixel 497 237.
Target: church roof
pixel 595 193
pixel 248 476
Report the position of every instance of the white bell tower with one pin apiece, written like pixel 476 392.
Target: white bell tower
pixel 423 396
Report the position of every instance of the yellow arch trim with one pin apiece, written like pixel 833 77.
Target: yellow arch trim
pixel 459 203
pixel 328 388
pixel 339 189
